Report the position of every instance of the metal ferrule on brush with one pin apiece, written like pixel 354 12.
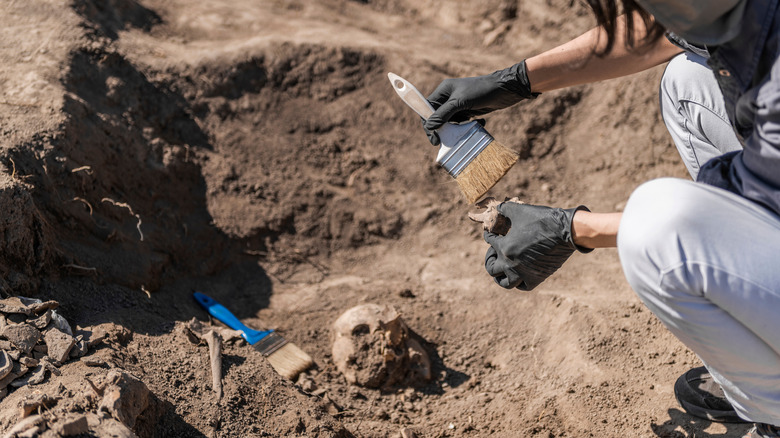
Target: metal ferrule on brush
pixel 465 150
pixel 270 344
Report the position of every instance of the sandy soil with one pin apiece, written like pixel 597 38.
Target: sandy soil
pixel 255 151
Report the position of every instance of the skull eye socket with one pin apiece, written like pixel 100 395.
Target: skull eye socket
pixel 361 330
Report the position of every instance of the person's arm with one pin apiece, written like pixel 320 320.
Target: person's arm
pixel 595 230
pixel 576 62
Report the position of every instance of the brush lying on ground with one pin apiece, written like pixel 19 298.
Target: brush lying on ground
pixel 468 152
pixel 285 357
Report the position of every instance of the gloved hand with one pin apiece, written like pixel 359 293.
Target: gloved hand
pixel 458 100
pixel 537 244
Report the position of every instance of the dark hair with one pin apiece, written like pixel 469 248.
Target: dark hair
pixel 607 13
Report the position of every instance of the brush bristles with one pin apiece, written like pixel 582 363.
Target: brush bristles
pixel 485 170
pixel 289 361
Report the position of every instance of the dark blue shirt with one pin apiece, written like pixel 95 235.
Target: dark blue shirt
pixel 748 71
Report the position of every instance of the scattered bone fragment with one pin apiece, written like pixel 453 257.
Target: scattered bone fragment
pixel 125 397
pixel 72 425
pixel 373 347
pixel 59 344
pixel 492 221
pixel 215 354
pixel 6 364
pixel 214 341
pixel 198 329
pixel 22 336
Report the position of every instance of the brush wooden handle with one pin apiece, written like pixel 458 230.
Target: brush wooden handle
pixel 409 94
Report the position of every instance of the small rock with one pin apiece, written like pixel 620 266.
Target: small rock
pixel 74 425
pixel 37 307
pixel 42 321
pixel 125 397
pixel 36 377
pixel 79 350
pixel 59 344
pixel 408 433
pixel 30 423
pixel 14 305
pixel 92 362
pixel 31 404
pixel 5 381
pixel 22 336
pixel 6 364
pixel 29 362
pixel 46 362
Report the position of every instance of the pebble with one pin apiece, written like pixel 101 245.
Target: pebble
pixel 59 344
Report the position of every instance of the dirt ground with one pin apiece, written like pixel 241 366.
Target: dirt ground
pixel 256 152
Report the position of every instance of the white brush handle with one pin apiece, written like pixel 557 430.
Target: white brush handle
pixel 411 96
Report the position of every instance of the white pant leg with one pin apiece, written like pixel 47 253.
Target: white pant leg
pixel 707 263
pixel 693 110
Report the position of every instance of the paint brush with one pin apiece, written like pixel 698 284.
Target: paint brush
pixel 285 357
pixel 468 152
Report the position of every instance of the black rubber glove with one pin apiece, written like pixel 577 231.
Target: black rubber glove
pixel 460 99
pixel 537 244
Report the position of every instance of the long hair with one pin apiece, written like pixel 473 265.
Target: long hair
pixel 607 13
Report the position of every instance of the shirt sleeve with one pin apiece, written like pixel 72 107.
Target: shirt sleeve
pixel 678 41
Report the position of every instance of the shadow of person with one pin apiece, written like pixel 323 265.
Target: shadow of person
pixel 694 426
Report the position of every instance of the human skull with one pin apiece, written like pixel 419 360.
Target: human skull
pixel 373 347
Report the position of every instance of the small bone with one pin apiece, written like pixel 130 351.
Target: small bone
pixel 214 340
pixel 493 221
pixel 215 353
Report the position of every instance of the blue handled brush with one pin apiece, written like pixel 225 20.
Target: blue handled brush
pixel 286 358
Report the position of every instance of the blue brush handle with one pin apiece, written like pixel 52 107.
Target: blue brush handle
pixel 223 314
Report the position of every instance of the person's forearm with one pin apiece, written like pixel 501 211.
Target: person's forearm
pixel 595 230
pixel 577 62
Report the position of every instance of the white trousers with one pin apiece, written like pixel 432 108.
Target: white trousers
pixel 705 261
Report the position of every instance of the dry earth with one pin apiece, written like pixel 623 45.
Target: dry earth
pixel 255 151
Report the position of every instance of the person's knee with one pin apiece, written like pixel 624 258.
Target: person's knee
pixel 655 215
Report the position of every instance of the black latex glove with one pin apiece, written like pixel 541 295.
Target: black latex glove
pixel 460 99
pixel 537 244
